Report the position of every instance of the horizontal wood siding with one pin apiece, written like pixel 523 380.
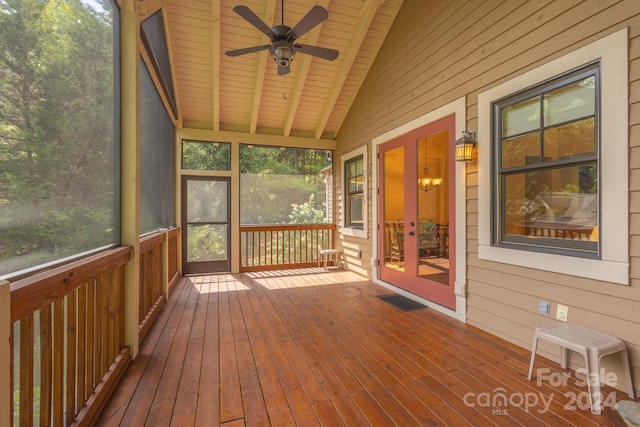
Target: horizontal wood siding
pixel 437 52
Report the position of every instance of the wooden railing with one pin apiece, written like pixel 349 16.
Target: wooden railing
pixel 152 297
pixel 68 340
pixel 264 247
pixel 152 293
pixel 68 330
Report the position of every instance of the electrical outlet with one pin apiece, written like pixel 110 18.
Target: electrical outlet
pixel 562 312
pixel 543 307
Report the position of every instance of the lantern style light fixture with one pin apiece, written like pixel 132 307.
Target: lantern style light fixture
pixel 464 146
pixel 282 52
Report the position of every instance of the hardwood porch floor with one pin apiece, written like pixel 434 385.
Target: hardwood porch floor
pixel 315 347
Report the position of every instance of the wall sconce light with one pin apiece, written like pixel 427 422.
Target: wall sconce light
pixel 464 146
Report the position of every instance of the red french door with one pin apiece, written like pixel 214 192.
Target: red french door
pixel 417 212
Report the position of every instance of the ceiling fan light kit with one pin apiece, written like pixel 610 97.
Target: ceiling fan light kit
pixel 282 53
pixel 282 47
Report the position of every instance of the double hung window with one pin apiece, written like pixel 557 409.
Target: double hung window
pixel 354 185
pixel 546 168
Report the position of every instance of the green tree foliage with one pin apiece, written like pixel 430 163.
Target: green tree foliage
pixel 58 174
pixel 206 156
pixel 276 182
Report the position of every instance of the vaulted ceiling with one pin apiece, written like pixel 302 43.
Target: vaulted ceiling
pixel 245 94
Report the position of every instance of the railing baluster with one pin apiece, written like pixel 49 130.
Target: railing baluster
pixel 104 334
pixel 58 361
pixel 45 365
pixel 120 307
pixel 91 332
pixel 82 346
pixel 111 350
pixel 70 329
pixel 253 248
pixel 26 370
pixel 271 248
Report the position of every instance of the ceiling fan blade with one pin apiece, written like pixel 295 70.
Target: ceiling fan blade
pixel 238 52
pixel 283 71
pixel 315 16
pixel 320 52
pixel 253 19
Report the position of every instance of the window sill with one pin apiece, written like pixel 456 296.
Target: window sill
pixel 604 270
pixel 354 232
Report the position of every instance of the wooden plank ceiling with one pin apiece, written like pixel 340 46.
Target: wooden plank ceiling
pixel 245 94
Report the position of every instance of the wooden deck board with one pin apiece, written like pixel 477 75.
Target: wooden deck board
pixel 315 347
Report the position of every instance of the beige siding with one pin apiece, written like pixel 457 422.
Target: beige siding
pixel 437 52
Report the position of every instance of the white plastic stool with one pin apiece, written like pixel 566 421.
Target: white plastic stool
pixel 335 253
pixel 592 345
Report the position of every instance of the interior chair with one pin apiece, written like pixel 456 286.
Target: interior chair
pixel 397 245
pixel 428 239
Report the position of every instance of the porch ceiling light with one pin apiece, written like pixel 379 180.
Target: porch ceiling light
pixel 282 52
pixel 464 146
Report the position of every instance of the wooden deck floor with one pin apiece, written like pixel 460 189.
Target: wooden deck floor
pixel 315 347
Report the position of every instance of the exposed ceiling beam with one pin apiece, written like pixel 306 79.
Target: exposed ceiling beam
pixel 303 72
pixel 261 69
pixel 367 13
pixel 215 51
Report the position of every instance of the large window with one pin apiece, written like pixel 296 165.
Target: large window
pixel 553 165
pixel 282 185
pixel 59 131
pixel 546 165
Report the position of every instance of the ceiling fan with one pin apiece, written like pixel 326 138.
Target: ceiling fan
pixel 283 47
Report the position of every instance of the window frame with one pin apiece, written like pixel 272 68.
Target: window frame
pixel 346 227
pixel 613 264
pixel 349 222
pixel 499 173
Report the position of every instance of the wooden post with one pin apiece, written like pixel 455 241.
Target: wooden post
pixel 235 209
pixel 130 167
pixel 6 358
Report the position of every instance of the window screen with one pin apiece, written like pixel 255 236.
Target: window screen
pixel 157 159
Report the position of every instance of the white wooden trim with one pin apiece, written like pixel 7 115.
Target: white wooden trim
pixel 365 205
pixel 614 266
